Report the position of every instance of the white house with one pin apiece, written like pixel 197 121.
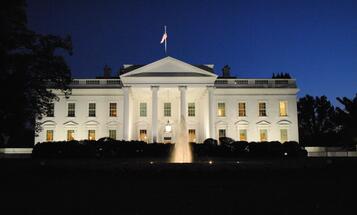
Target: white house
pixel 148 102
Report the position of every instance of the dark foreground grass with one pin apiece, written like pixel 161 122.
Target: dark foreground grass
pixel 304 186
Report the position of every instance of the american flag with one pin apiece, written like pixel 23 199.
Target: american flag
pixel 164 37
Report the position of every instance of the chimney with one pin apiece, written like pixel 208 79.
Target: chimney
pixel 107 71
pixel 226 71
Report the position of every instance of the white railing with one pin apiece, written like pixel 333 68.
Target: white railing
pixel 255 83
pixel 100 83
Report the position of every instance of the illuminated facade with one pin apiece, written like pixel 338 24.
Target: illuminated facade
pixel 147 102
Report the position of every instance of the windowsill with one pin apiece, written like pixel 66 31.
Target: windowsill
pixel 285 116
pixel 263 116
pixel 243 116
pixel 71 116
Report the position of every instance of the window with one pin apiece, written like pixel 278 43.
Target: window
pixel 112 109
pixel 221 133
pixel 241 109
pixel 263 135
pixel 113 134
pixel 143 109
pixel 262 109
pixel 221 111
pixel 71 109
pixel 91 110
pixel 283 108
pixel 243 135
pixel 192 135
pixel 49 135
pixel 70 135
pixel 283 135
pixel 51 110
pixel 191 109
pixel 167 109
pixel 143 135
pixel 91 134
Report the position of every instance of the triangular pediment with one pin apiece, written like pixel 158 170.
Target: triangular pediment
pixel 263 122
pixel 242 122
pixel 169 67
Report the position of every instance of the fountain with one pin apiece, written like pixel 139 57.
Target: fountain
pixel 182 151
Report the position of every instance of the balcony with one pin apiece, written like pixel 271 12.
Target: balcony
pixel 255 83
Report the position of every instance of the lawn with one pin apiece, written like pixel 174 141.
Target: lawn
pixel 113 186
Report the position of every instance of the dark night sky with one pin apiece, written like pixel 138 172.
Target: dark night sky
pixel 314 40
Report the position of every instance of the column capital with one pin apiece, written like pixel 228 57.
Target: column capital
pixel 126 88
pixel 182 87
pixel 211 88
pixel 155 88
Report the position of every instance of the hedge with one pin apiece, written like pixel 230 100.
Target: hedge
pixel 108 148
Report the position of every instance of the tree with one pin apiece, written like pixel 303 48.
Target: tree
pixel 29 65
pixel 317 121
pixel 347 120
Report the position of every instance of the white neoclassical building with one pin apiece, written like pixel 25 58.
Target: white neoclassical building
pixel 148 102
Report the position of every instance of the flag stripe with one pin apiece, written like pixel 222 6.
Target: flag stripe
pixel 164 38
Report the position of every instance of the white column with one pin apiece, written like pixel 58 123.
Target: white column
pixel 126 113
pixel 211 112
pixel 154 118
pixel 183 105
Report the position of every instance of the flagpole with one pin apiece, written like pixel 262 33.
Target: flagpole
pixel 165 42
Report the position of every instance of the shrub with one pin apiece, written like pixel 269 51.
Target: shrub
pixel 210 142
pixel 106 148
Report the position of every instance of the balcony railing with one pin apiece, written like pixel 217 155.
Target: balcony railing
pixel 96 83
pixel 255 83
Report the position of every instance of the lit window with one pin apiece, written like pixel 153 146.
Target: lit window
pixel 221 111
pixel 91 134
pixel 91 110
pixel 263 135
pixel 143 135
pixel 71 109
pixel 283 108
pixel 49 135
pixel 113 134
pixel 241 109
pixel 112 109
pixel 70 135
pixel 143 109
pixel 168 127
pixel 191 109
pixel 243 135
pixel 221 133
pixel 192 135
pixel 50 110
pixel 283 135
pixel 262 109
pixel 167 109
